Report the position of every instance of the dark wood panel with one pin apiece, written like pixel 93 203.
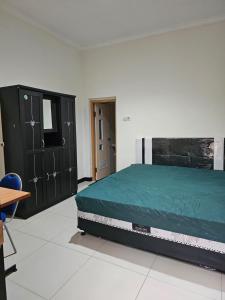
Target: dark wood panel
pixel 53 170
pixel 33 89
pixel 68 122
pixel 69 178
pixel 33 182
pixel 11 128
pixel 47 165
pixel 186 152
pixel 31 118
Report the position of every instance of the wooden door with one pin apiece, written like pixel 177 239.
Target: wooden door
pixel 104 141
pixel 32 119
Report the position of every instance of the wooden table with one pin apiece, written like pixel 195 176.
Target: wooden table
pixel 2 269
pixel 7 197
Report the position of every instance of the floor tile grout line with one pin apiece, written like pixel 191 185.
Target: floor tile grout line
pixel 41 239
pixel 61 231
pixel 57 245
pixel 46 241
pixel 175 285
pixel 89 258
pixel 62 215
pixel 178 287
pixel 38 218
pixel 70 278
pixel 77 271
pixel 27 289
pixel 38 237
pixel 49 242
pixel 117 265
pixel 29 220
pixel 30 254
pixel 69 248
pixel 102 259
pixel 29 234
pixel 185 289
pixel 182 289
pixel 20 285
pixel 33 235
pixel 145 278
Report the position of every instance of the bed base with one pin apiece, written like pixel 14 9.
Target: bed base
pixel 207 259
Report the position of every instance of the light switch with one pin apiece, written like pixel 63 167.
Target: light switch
pixel 126 119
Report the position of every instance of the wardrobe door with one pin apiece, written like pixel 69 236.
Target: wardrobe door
pixel 33 182
pixel 69 178
pixel 32 119
pixel 68 121
pixel 53 174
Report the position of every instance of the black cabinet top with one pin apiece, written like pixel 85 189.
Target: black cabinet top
pixel 19 86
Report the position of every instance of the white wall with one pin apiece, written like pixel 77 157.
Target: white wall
pixel 35 58
pixel 171 85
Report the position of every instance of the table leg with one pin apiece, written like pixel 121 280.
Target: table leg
pixel 2 276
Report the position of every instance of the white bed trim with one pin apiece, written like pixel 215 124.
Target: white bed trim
pixel 218 153
pixel 157 233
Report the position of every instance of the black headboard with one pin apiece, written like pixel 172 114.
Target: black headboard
pixel 186 152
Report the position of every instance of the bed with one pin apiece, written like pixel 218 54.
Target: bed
pixel 170 210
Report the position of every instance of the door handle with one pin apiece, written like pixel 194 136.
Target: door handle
pixel 47 176
pixel 43 143
pixel 63 141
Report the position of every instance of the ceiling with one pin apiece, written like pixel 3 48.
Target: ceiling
pixel 91 23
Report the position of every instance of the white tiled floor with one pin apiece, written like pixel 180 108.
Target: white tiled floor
pixel 55 262
pixel 187 276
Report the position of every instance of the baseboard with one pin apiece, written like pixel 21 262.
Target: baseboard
pixel 84 179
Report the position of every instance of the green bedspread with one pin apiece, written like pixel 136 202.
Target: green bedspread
pixel 178 199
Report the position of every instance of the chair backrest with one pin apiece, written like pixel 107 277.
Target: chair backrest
pixel 11 181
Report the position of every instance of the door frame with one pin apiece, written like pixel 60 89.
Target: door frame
pixel 92 102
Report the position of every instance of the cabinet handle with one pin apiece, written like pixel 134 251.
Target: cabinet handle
pixel 43 143
pixel 63 141
pixel 47 176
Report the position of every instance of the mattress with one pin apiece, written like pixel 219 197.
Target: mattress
pixel 178 200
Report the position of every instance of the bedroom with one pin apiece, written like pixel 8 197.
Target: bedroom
pixel 164 66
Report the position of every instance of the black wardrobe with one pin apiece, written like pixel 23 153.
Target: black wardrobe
pixel 39 134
